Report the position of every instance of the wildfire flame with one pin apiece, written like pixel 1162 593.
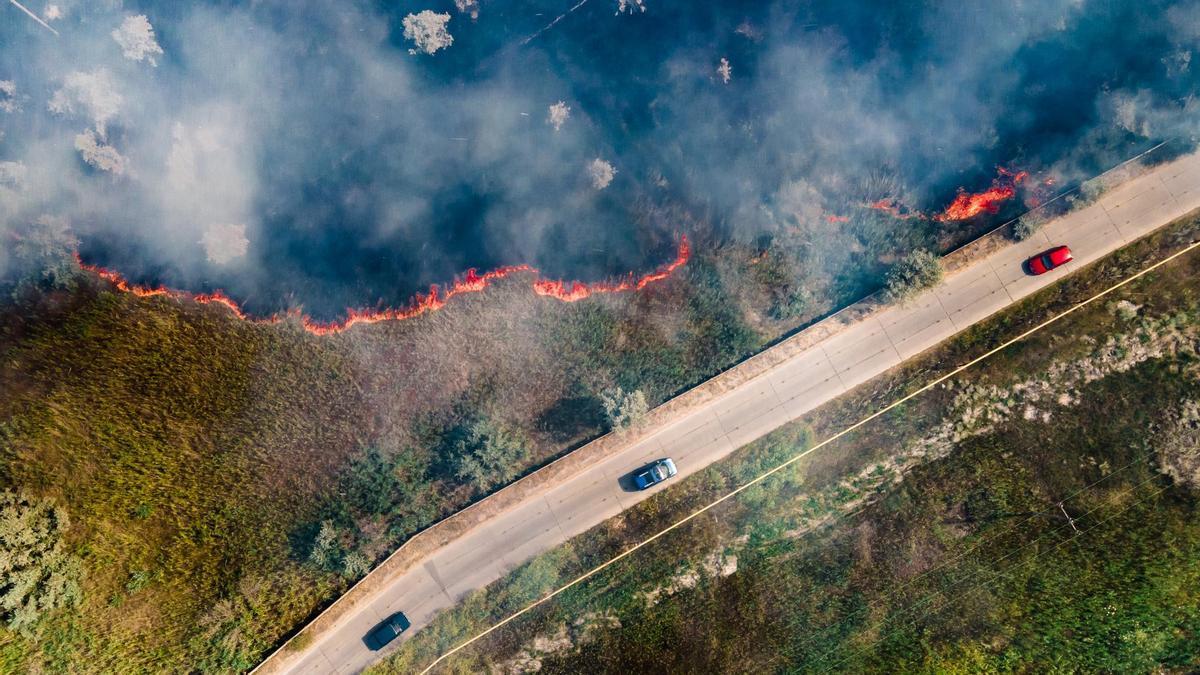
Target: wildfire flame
pixel 968 204
pixel 471 282
pixel 574 291
pixel 832 218
pixel 895 209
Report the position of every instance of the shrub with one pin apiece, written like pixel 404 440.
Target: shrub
pixel 791 304
pixel 324 549
pixel 914 273
pixel 44 254
pixel 37 575
pixel 624 410
pixel 1027 225
pixel 372 482
pixel 354 565
pixel 485 454
pixel 1089 191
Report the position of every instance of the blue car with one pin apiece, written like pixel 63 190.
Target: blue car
pixel 389 629
pixel 654 473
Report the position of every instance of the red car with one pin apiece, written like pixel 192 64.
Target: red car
pixel 1048 260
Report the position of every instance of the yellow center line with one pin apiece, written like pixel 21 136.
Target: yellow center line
pixel 761 477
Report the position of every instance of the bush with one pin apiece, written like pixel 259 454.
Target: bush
pixel 44 254
pixel 485 454
pixel 37 575
pixel 624 410
pixel 325 549
pixel 1028 225
pixel 914 273
pixel 354 565
pixel 791 304
pixel 1089 191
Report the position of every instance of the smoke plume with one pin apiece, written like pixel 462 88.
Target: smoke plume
pixel 357 173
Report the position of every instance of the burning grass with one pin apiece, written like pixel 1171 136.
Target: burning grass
pixel 435 299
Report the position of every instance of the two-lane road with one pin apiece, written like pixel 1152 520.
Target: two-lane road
pixel 801 383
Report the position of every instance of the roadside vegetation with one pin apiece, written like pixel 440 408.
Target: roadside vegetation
pixel 1036 513
pixel 916 272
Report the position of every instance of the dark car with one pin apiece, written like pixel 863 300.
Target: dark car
pixel 389 630
pixel 654 473
pixel 1048 260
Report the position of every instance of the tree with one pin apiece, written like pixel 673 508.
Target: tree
pixel 485 454
pixel 624 410
pixel 37 574
pixel 914 273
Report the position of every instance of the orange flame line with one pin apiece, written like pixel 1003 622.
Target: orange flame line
pixel 575 291
pixel 471 282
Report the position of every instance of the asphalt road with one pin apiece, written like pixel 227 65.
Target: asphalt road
pixel 794 387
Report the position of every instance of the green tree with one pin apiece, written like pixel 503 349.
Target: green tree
pixel 37 574
pixel 914 273
pixel 624 410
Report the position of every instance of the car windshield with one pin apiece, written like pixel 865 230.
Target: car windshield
pixel 1047 262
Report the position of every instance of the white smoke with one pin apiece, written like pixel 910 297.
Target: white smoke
pixel 100 155
pixel 12 175
pixel 136 38
pixel 797 207
pixel 225 243
pixel 207 177
pixel 12 183
pixel 601 173
pixel 558 114
pixel 92 94
pixel 52 12
pixel 427 30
